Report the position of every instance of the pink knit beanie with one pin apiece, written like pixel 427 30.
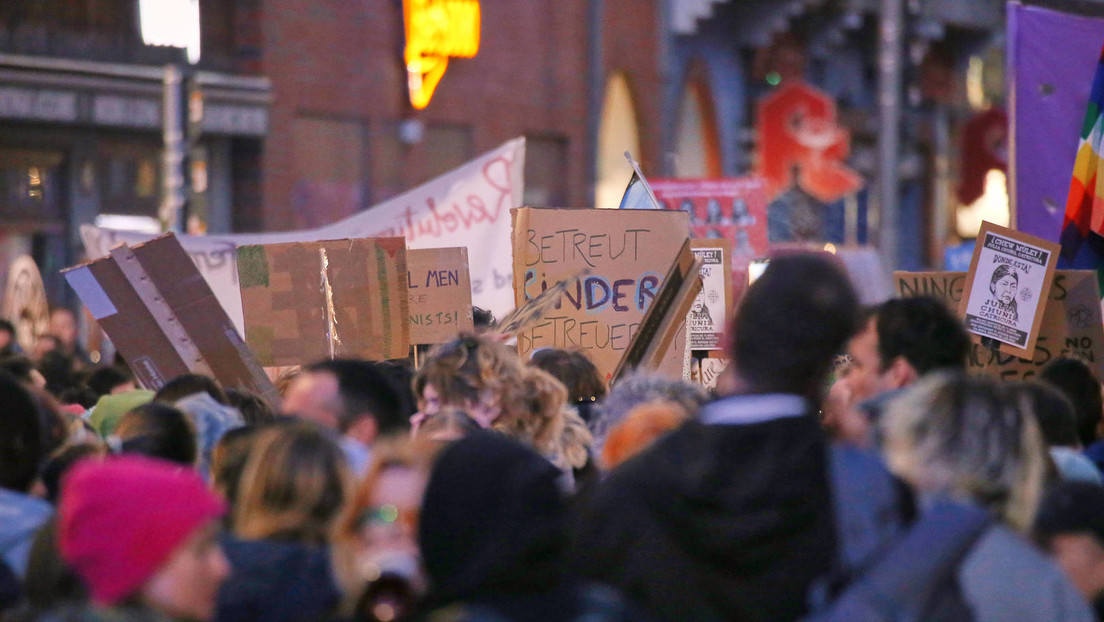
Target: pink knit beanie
pixel 123 518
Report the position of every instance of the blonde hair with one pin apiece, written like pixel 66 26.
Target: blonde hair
pixel 971 438
pixel 468 369
pixel 294 485
pixel 533 412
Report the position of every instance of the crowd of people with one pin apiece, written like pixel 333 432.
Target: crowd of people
pixel 846 468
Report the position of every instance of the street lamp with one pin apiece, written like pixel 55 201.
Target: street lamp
pixel 174 23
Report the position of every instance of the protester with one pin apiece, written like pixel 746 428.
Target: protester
pixel 110 381
pixel 1058 426
pixel 731 516
pixel 352 397
pixel 293 488
pixel 639 429
pixel 186 385
pixel 51 585
pixel 109 410
pixel 1070 525
pixel 158 431
pixel 141 534
pixel 901 341
pixel 254 409
pixel 212 420
pixel 65 458
pixel 23 370
pixel 1079 383
pixel 494 537
pixel 642 388
pixel 9 340
pixel 63 326
pixel 26 439
pixel 471 373
pixel 967 438
pixel 228 461
pixel 378 558
pixel 449 424
pixel 577 373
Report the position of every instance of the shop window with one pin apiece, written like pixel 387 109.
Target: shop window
pixel 130 179
pixel 696 148
pixel 30 185
pixel 617 134
pixel 329 169
pixel 545 171
pixel 445 147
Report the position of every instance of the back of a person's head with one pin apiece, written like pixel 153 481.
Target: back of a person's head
pixel 365 390
pixel 968 437
pixel 791 322
pixel 189 384
pixel 533 409
pixel 401 373
pixel 63 459
pixel 294 484
pixel 59 369
pixel 228 460
pixel 493 520
pixel 105 379
pixel 639 429
pixel 1071 508
pixel 20 367
pixel 159 431
pixel 641 388
pixel 577 373
pixel 1053 412
pixel 1077 381
pixel 254 409
pixel 923 331
pixel 25 435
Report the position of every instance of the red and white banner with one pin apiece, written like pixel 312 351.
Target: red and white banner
pixel 469 206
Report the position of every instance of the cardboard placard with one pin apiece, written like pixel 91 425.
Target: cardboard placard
pixel 1007 286
pixel 1072 325
pixel 164 319
pixel 711 370
pixel 439 292
pixel 627 252
pixel 534 311
pixel 712 308
pixel 25 303
pixel 667 314
pixel 308 301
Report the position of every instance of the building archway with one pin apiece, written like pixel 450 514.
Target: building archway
pixel 618 132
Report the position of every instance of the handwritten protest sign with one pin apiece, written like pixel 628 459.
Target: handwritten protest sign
pixel 1072 325
pixel 439 291
pixel 649 347
pixel 308 301
pixel 710 312
pixel 163 317
pixel 627 251
pixel 1009 278
pixel 464 207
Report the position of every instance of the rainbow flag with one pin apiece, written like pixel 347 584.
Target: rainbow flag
pixel 1083 225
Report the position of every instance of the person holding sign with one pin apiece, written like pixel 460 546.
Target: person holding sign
pixel 731 516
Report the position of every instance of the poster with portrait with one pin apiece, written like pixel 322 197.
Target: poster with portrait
pixel 1008 285
pixel 711 308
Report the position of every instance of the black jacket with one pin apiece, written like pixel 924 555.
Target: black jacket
pixel 716 522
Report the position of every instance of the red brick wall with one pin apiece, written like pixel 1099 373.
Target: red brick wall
pixel 341 60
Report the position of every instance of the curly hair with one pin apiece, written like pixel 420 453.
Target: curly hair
pixel 469 369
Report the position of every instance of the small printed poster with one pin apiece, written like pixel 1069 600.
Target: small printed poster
pixel 1008 285
pixel 709 314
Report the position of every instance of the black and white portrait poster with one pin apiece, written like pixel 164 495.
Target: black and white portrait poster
pixel 708 318
pixel 1008 285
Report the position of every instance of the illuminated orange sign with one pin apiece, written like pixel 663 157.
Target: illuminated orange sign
pixel 436 30
pixel 799 132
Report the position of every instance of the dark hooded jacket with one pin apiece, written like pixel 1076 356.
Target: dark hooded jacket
pixel 277 581
pixel 493 537
pixel 717 522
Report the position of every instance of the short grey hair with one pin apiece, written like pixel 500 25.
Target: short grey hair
pixel 642 388
pixel 971 438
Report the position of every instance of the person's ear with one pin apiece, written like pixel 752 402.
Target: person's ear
pixel 364 430
pixel 901 373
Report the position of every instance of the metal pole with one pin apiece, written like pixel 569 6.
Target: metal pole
pixel 596 78
pixel 889 121
pixel 174 195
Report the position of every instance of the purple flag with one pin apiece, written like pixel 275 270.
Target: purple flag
pixel 1052 58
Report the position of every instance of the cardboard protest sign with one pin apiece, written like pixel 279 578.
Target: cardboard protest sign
pixel 467 206
pixel 712 307
pixel 439 292
pixel 1007 286
pixel 533 311
pixel 649 347
pixel 1072 325
pixel 25 303
pixel 627 253
pixel 308 301
pixel 711 370
pixel 164 319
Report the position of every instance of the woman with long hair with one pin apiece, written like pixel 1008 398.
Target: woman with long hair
pixel 293 488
